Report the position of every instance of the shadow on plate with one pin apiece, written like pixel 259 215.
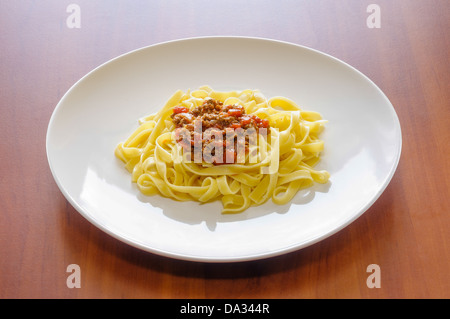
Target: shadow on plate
pixel 192 213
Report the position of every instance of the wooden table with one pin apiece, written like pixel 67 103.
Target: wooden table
pixel 46 47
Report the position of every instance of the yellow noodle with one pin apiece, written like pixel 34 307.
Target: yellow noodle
pixel 285 158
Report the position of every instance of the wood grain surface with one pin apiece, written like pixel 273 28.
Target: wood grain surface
pixel 406 232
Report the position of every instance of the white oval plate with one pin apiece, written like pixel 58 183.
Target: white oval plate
pixel 362 146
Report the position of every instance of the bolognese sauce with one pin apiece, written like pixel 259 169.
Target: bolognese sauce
pixel 216 119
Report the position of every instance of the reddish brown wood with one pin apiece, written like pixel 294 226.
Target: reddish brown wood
pixel 406 232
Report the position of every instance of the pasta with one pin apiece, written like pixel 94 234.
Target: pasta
pixel 275 166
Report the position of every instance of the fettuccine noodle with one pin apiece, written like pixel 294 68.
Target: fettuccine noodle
pixel 286 157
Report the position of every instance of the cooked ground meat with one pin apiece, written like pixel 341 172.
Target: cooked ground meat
pixel 213 114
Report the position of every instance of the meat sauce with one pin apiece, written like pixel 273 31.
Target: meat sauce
pixel 216 119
